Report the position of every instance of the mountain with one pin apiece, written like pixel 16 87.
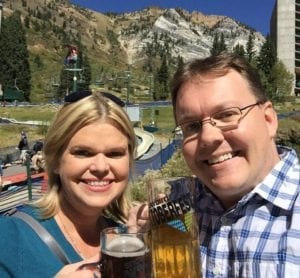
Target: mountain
pixel 115 41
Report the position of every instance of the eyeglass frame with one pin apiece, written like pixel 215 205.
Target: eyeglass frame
pixel 212 121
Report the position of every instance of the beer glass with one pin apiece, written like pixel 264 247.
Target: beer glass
pixel 125 253
pixel 174 228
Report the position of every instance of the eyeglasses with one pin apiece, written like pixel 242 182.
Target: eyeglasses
pixel 225 120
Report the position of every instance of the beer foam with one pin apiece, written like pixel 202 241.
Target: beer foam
pixel 125 246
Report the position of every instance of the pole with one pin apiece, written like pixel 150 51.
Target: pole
pixel 1 10
pixel 75 78
pixel 128 86
pixel 29 184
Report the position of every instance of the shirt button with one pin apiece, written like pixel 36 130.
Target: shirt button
pixel 225 221
pixel 217 270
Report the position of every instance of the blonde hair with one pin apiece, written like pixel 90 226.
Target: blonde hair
pixel 70 119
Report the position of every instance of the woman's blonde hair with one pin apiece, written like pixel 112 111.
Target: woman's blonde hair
pixel 70 119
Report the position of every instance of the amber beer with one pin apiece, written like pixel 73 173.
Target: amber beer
pixel 174 228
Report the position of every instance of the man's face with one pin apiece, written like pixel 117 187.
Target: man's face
pixel 230 163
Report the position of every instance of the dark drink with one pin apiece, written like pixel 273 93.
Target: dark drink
pixel 126 257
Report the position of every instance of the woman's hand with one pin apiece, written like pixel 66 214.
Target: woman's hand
pixel 138 215
pixel 84 269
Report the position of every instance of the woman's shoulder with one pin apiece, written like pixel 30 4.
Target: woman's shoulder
pixel 10 221
pixel 11 227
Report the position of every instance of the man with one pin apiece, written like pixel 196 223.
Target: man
pixel 248 199
pixel 249 204
pixel 23 146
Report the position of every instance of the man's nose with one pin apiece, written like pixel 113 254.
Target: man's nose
pixel 209 134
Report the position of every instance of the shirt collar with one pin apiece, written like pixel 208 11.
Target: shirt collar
pixel 281 185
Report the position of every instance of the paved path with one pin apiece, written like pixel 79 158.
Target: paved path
pixel 14 173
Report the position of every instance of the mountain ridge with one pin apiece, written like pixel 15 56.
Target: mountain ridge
pixel 113 42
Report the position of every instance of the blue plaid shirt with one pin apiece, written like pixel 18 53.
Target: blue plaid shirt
pixel 260 235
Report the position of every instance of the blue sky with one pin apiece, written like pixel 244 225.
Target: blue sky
pixel 255 13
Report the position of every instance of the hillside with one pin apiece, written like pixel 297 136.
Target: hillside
pixel 113 42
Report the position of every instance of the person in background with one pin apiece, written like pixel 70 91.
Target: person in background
pixel 37 146
pixel 23 146
pixel 72 55
pixel 248 199
pixel 89 151
pixel 37 163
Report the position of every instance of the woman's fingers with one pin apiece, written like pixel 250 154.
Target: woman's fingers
pixel 84 269
pixel 138 215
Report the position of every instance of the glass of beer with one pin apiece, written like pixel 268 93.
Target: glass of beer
pixel 174 228
pixel 125 253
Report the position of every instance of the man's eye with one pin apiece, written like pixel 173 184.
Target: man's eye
pixel 227 115
pixel 192 126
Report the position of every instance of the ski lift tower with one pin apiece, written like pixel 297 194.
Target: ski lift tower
pixel 1 11
pixel 71 63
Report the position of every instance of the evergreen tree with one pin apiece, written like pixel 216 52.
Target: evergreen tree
pixel 14 57
pixel 180 62
pixel 161 82
pixel 280 83
pixel 239 50
pixel 219 45
pixel 222 44
pixel 250 52
pixel 267 57
pixel 214 49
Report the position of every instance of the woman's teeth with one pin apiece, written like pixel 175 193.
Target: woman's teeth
pixel 98 183
pixel 220 159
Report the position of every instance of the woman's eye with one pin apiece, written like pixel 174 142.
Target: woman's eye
pixel 83 153
pixel 116 154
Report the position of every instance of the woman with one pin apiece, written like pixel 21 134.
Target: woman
pixel 89 151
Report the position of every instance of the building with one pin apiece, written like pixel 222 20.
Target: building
pixel 285 32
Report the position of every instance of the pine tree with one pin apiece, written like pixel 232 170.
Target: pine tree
pixel 250 52
pixel 239 50
pixel 267 57
pixel 280 83
pixel 222 44
pixel 161 81
pixel 180 62
pixel 214 49
pixel 14 57
pixel 219 45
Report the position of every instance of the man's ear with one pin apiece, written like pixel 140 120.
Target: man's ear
pixel 271 118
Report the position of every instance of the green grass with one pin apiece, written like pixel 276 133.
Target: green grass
pixel 162 116
pixel 10 134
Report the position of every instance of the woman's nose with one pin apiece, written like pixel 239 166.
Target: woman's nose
pixel 99 163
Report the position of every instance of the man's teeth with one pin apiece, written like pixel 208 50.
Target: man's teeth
pixel 98 183
pixel 220 158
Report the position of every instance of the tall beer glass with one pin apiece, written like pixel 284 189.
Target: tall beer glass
pixel 125 253
pixel 174 228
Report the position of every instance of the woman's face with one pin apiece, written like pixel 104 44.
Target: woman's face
pixel 94 168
